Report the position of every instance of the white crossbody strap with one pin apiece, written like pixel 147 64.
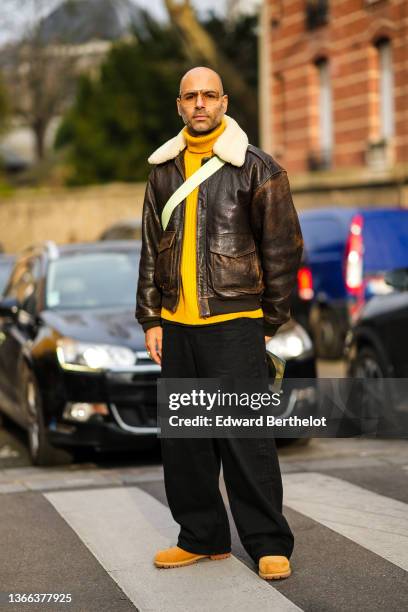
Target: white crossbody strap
pixel 200 175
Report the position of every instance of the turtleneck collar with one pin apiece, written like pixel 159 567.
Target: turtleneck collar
pixel 204 143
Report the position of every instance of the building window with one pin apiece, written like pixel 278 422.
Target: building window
pixel 325 104
pixel 317 13
pixel 386 89
pixel 280 128
pixel 320 157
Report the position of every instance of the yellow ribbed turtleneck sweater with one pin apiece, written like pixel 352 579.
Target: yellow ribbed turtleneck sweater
pixel 187 310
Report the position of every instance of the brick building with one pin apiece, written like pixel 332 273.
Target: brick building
pixel 334 98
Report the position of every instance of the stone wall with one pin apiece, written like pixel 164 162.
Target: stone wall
pixel 349 188
pixel 66 215
pixel 78 214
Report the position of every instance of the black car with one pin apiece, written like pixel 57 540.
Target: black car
pixel 73 366
pixel 377 345
pixel 377 357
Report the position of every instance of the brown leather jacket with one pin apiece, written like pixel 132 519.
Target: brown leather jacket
pixel 249 242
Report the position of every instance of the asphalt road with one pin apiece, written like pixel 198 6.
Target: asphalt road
pixel 92 528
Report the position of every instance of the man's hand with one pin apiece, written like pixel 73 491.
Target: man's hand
pixel 267 338
pixel 153 342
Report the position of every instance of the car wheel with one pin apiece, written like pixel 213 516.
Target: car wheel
pixel 328 335
pixel 41 451
pixel 379 396
pixel 368 364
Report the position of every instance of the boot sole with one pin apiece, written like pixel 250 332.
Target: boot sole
pixel 164 565
pixel 276 576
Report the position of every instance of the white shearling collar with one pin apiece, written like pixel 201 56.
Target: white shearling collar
pixel 231 146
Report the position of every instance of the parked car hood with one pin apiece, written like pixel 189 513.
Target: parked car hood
pixel 101 325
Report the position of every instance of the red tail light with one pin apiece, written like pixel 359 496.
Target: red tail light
pixel 354 257
pixel 305 283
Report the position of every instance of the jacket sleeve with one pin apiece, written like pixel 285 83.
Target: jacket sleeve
pixel 277 229
pixel 148 295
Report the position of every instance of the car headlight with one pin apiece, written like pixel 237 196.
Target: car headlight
pixel 290 343
pixel 74 355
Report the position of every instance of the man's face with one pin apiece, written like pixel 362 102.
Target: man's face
pixel 201 103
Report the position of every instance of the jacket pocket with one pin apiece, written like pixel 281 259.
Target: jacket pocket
pixel 164 269
pixel 234 266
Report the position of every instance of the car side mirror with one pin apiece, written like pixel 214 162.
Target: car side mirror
pixel 9 307
pixel 398 279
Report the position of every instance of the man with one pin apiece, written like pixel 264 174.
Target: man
pixel 213 287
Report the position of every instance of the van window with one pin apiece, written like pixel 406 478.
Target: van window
pixel 322 233
pixel 385 238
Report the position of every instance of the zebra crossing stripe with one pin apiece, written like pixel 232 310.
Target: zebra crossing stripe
pixel 124 527
pixel 376 522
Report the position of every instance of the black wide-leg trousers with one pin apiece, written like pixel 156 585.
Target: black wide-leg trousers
pixel 251 469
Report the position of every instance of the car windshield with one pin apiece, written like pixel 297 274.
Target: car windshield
pixel 93 280
pixel 385 240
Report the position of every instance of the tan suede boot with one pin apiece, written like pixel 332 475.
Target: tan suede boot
pixel 177 557
pixel 273 567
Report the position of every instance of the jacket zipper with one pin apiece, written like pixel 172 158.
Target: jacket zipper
pixel 181 252
pixel 182 238
pixel 204 231
pixel 180 169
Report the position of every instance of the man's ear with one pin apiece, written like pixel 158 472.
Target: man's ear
pixel 225 101
pixel 178 107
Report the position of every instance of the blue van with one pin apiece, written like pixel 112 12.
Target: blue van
pixel 347 252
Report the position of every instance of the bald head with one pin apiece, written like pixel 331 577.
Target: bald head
pixel 201 77
pixel 201 102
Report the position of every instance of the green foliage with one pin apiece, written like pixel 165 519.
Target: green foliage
pixel 239 43
pixel 6 190
pixel 120 118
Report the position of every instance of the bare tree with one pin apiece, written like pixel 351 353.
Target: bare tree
pixel 199 46
pixel 39 73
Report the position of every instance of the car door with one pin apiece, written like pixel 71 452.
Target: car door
pixel 16 333
pixel 393 328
